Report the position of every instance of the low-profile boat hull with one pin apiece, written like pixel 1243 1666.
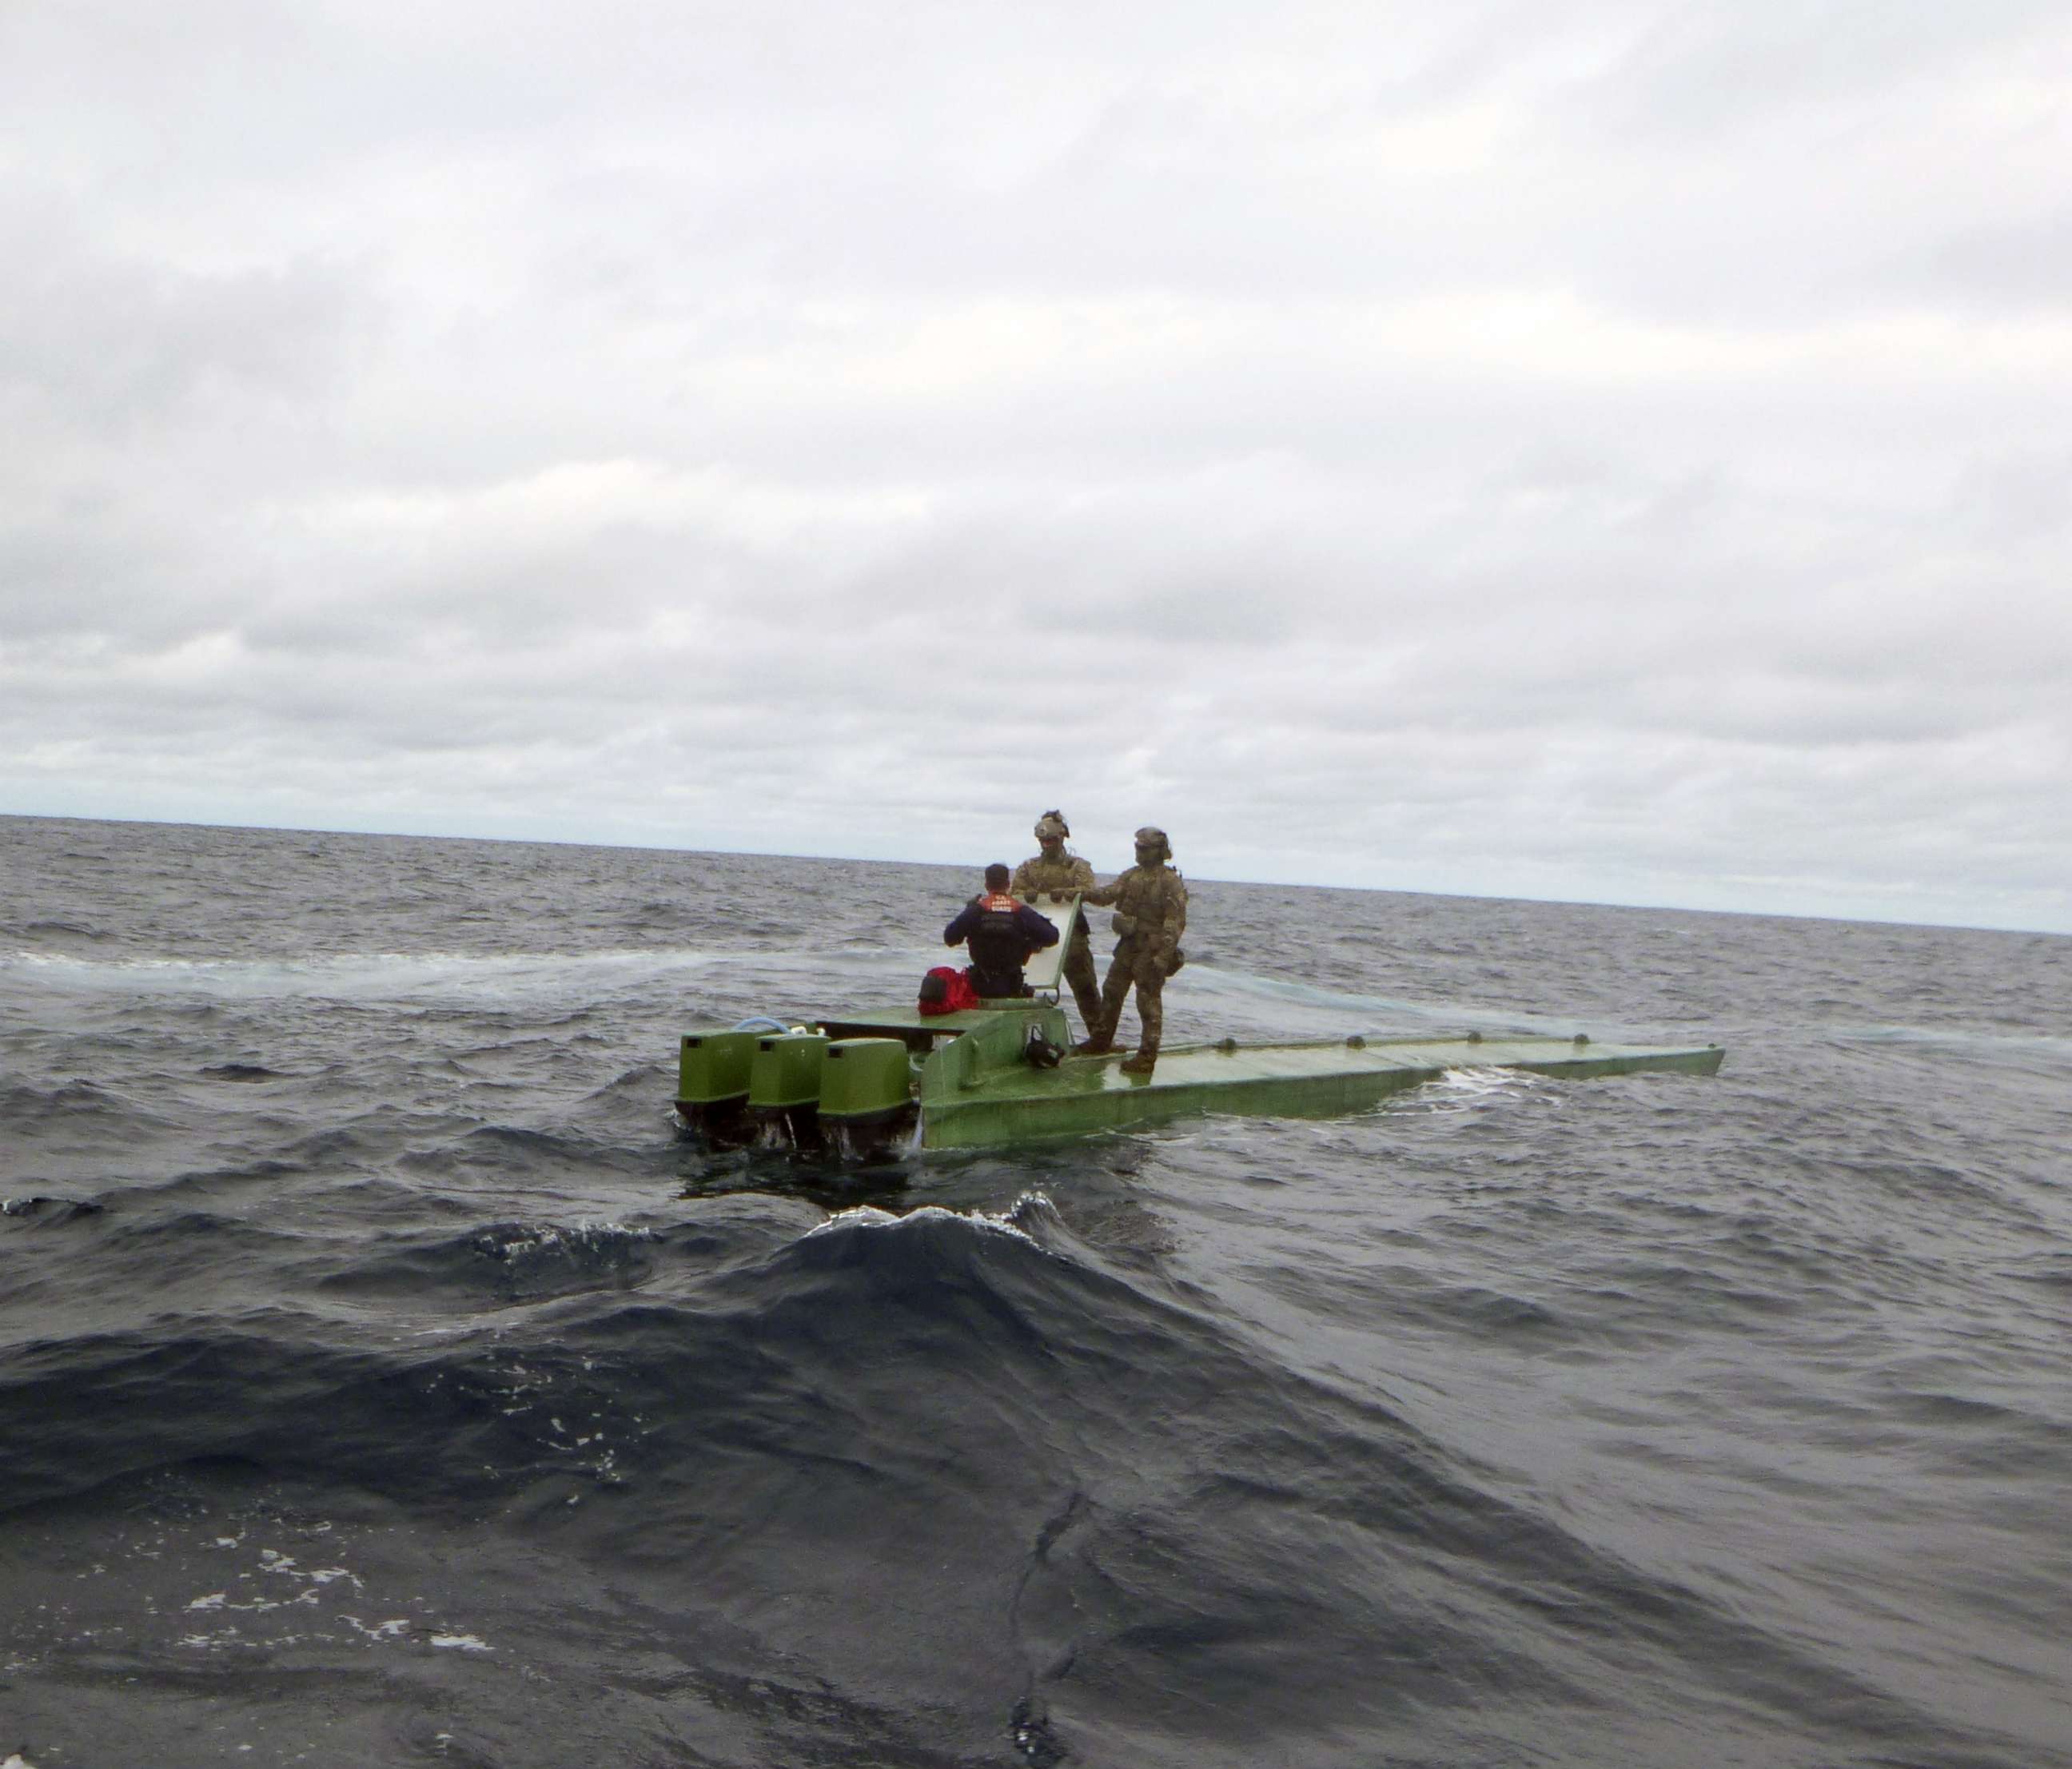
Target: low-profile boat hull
pixel 971 1083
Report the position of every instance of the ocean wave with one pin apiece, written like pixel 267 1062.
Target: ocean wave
pixel 499 1264
pixel 1518 1419
pixel 374 975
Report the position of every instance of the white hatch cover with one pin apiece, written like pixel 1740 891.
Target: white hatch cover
pixel 1045 969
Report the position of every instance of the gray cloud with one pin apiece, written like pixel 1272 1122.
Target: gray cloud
pixel 1603 448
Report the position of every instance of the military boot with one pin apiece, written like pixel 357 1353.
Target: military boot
pixel 1143 1063
pixel 1095 1043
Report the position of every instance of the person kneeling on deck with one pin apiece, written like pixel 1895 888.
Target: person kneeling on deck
pixel 1000 932
pixel 1150 904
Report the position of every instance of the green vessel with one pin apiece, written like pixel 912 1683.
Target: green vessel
pixel 995 1076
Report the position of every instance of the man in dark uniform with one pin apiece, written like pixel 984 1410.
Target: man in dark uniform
pixel 1150 904
pixel 1060 874
pixel 999 933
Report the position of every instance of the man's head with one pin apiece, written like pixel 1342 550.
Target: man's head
pixel 1152 846
pixel 996 876
pixel 1050 833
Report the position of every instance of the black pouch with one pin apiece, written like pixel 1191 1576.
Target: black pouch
pixel 1039 1052
pixel 933 990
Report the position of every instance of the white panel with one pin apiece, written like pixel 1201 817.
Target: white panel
pixel 1046 968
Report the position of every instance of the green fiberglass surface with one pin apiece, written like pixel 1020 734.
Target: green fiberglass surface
pixel 970 1077
pixel 990 1106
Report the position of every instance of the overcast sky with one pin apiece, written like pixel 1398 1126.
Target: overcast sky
pixel 1610 450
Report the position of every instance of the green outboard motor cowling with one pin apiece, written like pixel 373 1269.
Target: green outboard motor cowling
pixel 784 1085
pixel 785 1070
pixel 712 1084
pixel 866 1082
pixel 714 1066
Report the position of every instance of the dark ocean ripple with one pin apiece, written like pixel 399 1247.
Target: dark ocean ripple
pixel 383 1381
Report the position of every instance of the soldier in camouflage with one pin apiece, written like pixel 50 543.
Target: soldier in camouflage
pixel 1057 872
pixel 1150 904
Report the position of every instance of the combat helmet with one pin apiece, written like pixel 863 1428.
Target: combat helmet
pixel 1149 836
pixel 1051 826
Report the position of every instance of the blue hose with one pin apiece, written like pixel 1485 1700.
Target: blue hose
pixel 762 1023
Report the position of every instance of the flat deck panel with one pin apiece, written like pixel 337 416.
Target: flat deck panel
pixel 976 1087
pixel 1088 1094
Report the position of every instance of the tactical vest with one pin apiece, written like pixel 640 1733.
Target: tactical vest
pixel 998 948
pixel 1143 895
pixel 1065 874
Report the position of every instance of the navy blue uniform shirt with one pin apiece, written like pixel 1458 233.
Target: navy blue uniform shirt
pixel 1006 931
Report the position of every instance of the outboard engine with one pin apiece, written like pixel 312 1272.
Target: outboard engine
pixel 866 1093
pixel 711 1085
pixel 784 1088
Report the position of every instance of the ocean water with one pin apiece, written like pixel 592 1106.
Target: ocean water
pixel 384 1381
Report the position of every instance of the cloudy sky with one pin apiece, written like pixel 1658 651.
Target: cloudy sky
pixel 1613 450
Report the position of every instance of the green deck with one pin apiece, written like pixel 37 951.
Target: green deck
pixel 976 1091
pixel 1086 1094
pixel 974 1086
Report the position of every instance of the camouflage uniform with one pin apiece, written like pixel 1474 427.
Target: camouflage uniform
pixel 1150 903
pixel 1066 876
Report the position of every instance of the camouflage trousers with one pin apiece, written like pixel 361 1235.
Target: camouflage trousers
pixel 1086 987
pixel 1139 966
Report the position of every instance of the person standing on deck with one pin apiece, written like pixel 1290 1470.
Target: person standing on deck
pixel 1150 903
pixel 1057 872
pixel 999 933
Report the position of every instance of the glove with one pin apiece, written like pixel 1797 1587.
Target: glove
pixel 1175 962
pixel 1124 925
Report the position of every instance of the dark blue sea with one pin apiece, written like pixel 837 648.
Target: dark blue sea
pixel 385 1381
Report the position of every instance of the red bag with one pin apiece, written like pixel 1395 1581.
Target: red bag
pixel 947 991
